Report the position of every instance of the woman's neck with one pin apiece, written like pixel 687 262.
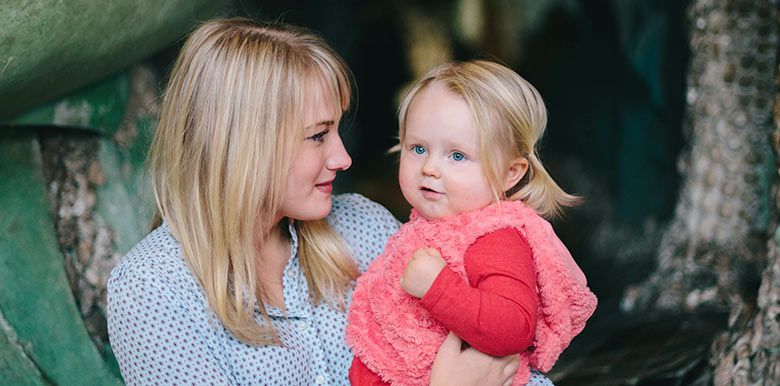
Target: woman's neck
pixel 273 255
pixel 274 252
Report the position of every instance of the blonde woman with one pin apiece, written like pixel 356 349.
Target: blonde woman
pixel 248 276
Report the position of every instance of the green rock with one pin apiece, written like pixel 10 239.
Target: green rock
pixel 124 201
pixel 98 107
pixel 35 298
pixel 15 367
pixel 51 48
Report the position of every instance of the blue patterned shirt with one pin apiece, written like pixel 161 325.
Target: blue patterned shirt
pixel 162 330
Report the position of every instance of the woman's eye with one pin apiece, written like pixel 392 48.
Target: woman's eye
pixel 319 137
pixel 417 149
pixel 458 156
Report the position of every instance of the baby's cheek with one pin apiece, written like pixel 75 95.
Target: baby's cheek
pixel 472 197
pixel 406 185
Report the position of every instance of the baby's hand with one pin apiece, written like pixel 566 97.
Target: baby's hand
pixel 421 271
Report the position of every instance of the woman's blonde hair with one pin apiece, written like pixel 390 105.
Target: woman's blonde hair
pixel 510 118
pixel 231 120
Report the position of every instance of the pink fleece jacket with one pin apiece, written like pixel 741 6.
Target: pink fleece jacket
pixel 398 339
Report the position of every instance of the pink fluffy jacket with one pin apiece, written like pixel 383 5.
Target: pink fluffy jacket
pixel 395 336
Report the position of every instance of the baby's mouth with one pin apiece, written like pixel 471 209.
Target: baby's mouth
pixel 430 193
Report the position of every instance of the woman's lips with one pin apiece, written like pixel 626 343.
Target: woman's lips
pixel 325 187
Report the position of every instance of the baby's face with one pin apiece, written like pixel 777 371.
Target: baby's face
pixel 441 172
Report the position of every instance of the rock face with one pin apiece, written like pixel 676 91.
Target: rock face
pixel 714 248
pixel 76 203
pixel 49 49
pixel 86 175
pixel 72 173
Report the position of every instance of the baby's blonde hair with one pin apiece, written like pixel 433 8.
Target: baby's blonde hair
pixel 510 119
pixel 231 121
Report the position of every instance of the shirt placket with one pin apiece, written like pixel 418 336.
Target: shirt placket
pixel 300 311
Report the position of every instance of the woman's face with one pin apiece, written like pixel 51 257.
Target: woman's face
pixel 319 156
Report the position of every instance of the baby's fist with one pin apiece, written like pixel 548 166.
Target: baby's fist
pixel 421 271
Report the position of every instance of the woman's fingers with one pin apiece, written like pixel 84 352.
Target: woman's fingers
pixel 450 348
pixel 504 367
pixel 470 367
pixel 512 364
pixel 452 340
pixel 511 368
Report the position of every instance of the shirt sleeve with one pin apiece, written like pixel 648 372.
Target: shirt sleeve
pixel 152 336
pixel 365 226
pixel 495 311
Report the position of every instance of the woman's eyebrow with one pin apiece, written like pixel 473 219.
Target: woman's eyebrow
pixel 328 122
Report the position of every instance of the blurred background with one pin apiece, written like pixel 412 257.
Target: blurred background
pixel 662 117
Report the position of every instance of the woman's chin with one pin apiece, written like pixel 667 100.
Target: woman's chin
pixel 316 213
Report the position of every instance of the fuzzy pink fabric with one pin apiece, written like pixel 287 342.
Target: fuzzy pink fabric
pixel 396 337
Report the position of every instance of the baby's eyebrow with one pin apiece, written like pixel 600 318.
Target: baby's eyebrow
pixel 467 147
pixel 411 138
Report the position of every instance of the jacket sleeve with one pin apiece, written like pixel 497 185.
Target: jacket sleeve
pixel 495 311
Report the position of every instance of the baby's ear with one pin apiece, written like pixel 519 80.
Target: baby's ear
pixel 515 172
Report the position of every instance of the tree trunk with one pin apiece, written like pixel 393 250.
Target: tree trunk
pixel 748 353
pixel 714 248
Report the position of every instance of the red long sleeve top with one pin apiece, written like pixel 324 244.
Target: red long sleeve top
pixel 495 311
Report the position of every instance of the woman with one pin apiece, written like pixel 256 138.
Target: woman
pixel 245 281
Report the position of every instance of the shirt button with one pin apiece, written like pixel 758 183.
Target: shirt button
pixel 320 379
pixel 302 326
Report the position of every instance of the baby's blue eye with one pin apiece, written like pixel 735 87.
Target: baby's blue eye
pixel 418 149
pixel 458 156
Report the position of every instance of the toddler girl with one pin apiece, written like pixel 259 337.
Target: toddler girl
pixel 476 257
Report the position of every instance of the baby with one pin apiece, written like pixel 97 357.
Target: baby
pixel 476 257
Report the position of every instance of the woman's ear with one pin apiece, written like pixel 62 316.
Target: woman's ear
pixel 517 169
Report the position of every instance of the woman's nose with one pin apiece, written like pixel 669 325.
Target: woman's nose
pixel 338 159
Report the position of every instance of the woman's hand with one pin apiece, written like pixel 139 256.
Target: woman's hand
pixel 470 367
pixel 421 271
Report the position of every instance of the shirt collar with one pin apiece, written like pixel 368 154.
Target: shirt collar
pixel 293 238
pixel 296 294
